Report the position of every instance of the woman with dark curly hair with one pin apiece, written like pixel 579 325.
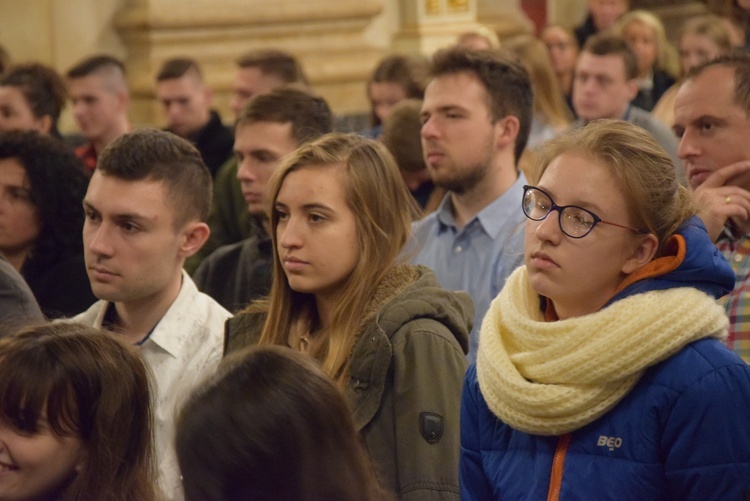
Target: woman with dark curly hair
pixel 42 185
pixel 32 96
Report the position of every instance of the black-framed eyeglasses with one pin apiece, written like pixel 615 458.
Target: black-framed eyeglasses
pixel 575 222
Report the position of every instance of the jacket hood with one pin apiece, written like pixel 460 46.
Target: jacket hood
pixel 693 261
pixel 423 297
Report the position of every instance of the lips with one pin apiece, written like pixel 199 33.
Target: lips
pixel 543 261
pixel 697 175
pixel 101 273
pixel 293 264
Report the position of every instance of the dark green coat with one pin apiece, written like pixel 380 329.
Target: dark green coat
pixel 406 376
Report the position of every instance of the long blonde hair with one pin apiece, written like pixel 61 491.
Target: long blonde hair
pixel 548 96
pixel 384 210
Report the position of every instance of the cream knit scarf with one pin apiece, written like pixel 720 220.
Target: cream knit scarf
pixel 550 378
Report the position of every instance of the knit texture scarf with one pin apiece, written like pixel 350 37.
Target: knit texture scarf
pixel 550 378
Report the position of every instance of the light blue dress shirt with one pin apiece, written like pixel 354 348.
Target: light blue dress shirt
pixel 477 258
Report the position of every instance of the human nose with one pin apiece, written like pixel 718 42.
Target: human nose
pixel 289 234
pixel 244 171
pixel 429 128
pixel 98 239
pixel 687 146
pixel 548 229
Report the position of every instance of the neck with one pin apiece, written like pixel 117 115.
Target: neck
pixel 121 127
pixel 16 257
pixel 136 318
pixel 468 204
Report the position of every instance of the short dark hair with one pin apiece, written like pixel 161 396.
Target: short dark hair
pixel 177 68
pixel 57 185
pixel 506 80
pixel 604 44
pixel 739 61
pixel 293 433
pixel 408 72
pixel 94 64
pixel 309 114
pixel 401 135
pixel 155 155
pixel 42 87
pixel 274 62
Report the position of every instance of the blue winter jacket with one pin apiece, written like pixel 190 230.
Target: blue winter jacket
pixel 683 432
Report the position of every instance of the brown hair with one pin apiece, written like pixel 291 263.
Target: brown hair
pixel 656 201
pixel 384 210
pixel 42 87
pixel 177 68
pixel 408 72
pixel 91 386
pixel 548 97
pixel 604 44
pixel 506 80
pixel 155 155
pixel 309 114
pixel 739 60
pixel 274 62
pixel 291 437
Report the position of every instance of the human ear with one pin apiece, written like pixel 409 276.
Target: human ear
pixel 507 131
pixel 642 254
pixel 194 236
pixel 632 89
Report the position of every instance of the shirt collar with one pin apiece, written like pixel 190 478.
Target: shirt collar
pixel 492 219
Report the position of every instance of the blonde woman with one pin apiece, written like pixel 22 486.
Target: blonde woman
pixel 701 39
pixel 600 372
pixel 551 114
pixel 657 60
pixel 392 339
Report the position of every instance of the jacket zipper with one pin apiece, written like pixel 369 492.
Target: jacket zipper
pixel 555 481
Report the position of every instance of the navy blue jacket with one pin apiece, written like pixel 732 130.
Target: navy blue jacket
pixel 683 432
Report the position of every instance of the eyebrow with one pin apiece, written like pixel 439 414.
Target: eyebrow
pixel 578 203
pixel 125 216
pixel 308 207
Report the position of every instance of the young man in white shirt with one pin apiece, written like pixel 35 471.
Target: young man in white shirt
pixel 146 207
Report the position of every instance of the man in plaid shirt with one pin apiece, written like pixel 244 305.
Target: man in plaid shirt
pixel 712 120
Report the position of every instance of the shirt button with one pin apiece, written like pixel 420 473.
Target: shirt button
pixel 458 249
pixel 737 258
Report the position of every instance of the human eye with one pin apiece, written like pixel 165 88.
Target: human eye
pixel 280 214
pixel 578 220
pixel 17 193
pixel 314 217
pixel 706 126
pixel 239 156
pixel 91 215
pixel 129 227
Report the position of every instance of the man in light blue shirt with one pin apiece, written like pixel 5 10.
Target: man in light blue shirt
pixel 476 117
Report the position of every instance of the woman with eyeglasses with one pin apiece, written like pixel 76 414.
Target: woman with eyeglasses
pixel 600 371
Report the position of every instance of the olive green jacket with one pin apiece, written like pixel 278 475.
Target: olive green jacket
pixel 406 377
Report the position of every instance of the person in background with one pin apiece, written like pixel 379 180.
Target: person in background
pixel 712 120
pixel 657 60
pixel 551 115
pixel 480 38
pixel 32 96
pixel 186 100
pixel 402 136
pixel 258 71
pixel 4 60
pixel 99 94
pixel 602 357
pixel 291 438
pixel 602 15
pixel 563 52
pixel 42 184
pixel 18 305
pixel 75 416
pixel 268 129
pixel 476 117
pixel 394 79
pixel 701 39
pixel 392 339
pixel 604 86
pixel 145 209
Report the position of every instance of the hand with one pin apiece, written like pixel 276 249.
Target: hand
pixel 720 198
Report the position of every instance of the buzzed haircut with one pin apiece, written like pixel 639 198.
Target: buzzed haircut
pixel 739 61
pixel 309 114
pixel 506 80
pixel 604 44
pixel 95 64
pixel 177 68
pixel 155 155
pixel 280 64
